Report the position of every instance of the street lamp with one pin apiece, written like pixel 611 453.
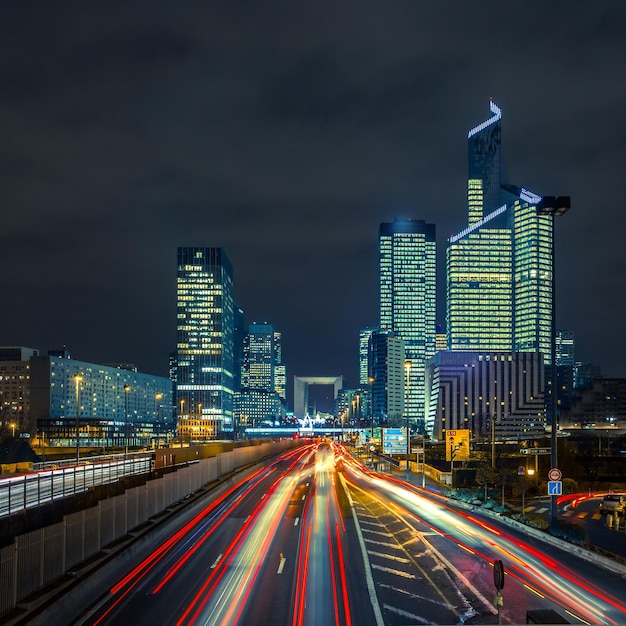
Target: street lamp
pixel 13 425
pixel 407 369
pixel 554 207
pixel 159 397
pixel 77 379
pixel 201 430
pixel 180 422
pixel 371 382
pixel 126 391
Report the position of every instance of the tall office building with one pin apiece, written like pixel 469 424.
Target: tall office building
pixel 364 338
pixel 280 370
pixel 498 268
pixel 407 298
pixel 388 390
pixel 259 357
pixel 205 349
pixel 565 348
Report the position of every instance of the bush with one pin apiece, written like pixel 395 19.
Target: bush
pixel 531 520
pixel 569 532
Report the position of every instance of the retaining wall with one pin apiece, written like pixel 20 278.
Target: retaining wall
pixel 40 557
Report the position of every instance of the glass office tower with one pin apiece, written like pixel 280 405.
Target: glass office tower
pixel 259 357
pixel 479 298
pixel 499 268
pixel 205 324
pixel 532 236
pixel 407 292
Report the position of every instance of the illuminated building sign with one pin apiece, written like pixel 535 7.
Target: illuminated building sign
pixel 497 115
pixel 478 224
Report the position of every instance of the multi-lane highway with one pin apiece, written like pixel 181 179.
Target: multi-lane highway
pixel 298 542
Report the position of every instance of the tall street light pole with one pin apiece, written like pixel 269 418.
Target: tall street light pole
pixel 371 382
pixel 407 369
pixel 77 379
pixel 554 207
pixel 126 392
pixel 158 397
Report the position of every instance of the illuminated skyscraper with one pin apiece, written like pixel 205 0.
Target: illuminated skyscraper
pixel 259 357
pixel 407 291
pixel 205 324
pixel 499 268
pixel 364 338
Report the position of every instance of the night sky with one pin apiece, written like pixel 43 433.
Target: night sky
pixel 285 133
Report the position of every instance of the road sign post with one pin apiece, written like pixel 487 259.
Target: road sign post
pixel 498 581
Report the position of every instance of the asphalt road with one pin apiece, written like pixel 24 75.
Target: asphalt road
pixel 298 542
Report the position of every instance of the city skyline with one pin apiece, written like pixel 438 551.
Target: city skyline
pixel 286 138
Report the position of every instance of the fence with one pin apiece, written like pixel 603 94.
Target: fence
pixel 42 556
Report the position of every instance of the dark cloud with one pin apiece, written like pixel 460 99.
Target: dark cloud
pixel 286 133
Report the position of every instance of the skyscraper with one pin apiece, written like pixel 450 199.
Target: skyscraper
pixel 364 338
pixel 407 292
pixel 259 357
pixel 386 358
pixel 498 268
pixel 205 325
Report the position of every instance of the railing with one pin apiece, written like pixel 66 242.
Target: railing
pixel 47 485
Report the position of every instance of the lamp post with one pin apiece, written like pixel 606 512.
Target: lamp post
pixel 77 379
pixel 159 397
pixel 371 382
pixel 407 369
pixel 554 207
pixel 180 422
pixel 200 431
pixel 423 460
pixel 126 392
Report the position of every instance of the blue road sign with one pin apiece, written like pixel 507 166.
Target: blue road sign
pixel 555 488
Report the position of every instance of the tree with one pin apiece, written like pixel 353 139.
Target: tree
pixel 486 475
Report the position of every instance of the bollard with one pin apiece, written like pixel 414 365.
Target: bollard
pixel 609 521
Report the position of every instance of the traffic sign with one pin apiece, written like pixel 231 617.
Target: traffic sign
pixel 535 451
pixel 521 470
pixel 555 488
pixel 498 574
pixel 555 474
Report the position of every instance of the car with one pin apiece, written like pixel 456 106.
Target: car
pixel 613 503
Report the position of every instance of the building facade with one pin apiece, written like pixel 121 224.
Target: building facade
pixel 15 389
pixel 205 346
pixel 407 299
pixel 113 407
pixel 259 357
pixel 364 339
pixel 388 388
pixel 499 394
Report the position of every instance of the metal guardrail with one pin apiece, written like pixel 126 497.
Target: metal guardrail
pixel 53 483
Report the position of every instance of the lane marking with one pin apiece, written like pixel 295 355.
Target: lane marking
pixel 217 560
pixel 295 522
pixel 377 532
pixel 281 565
pixel 399 559
pixel 382 543
pixel 406 614
pixel 390 570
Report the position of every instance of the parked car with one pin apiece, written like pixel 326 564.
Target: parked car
pixel 613 503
